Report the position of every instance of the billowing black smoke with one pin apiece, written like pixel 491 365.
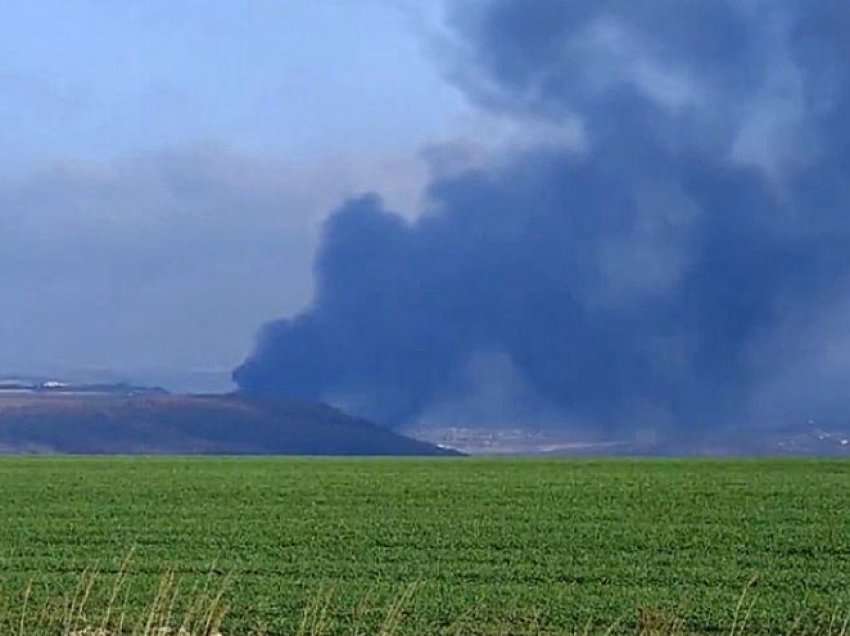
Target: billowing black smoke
pixel 686 264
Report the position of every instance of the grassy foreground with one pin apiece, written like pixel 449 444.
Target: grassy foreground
pixel 289 546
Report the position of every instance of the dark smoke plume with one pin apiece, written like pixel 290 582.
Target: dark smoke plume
pixel 687 264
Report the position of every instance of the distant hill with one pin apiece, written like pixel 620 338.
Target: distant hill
pixel 154 422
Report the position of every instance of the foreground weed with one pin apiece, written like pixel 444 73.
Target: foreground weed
pixel 314 621
pixel 205 612
pixel 81 615
pixel 739 623
pixel 655 622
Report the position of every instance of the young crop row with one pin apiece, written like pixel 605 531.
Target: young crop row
pixel 547 545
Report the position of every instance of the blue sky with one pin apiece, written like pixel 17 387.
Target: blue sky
pixel 167 166
pixel 97 80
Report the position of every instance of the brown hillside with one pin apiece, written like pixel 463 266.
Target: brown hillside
pixel 189 424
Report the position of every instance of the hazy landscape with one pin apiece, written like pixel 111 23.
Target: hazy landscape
pixel 405 317
pixel 50 416
pixel 115 419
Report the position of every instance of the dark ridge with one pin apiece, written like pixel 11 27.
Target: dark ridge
pixel 161 423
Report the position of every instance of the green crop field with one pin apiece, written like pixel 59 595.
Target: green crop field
pixel 455 546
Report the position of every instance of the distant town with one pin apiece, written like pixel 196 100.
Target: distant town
pixel 18 386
